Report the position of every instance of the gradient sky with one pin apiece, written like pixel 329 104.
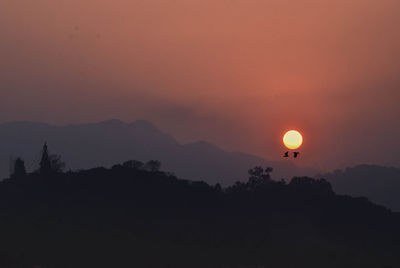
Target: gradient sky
pixel 237 73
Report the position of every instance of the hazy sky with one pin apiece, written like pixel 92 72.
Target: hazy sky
pixel 234 72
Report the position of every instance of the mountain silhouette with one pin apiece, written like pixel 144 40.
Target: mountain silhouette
pixel 380 184
pixel 104 143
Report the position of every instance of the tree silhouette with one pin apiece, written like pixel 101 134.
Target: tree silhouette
pixel 259 176
pixel 19 168
pixel 50 163
pixel 134 164
pixel 45 162
pixel 56 164
pixel 153 165
pixel 311 186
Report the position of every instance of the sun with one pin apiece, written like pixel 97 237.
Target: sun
pixel 292 139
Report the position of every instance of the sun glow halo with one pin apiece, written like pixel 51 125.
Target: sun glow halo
pixel 292 139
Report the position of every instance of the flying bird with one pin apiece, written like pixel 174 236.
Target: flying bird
pixel 296 154
pixel 286 154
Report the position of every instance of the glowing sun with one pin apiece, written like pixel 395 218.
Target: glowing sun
pixel 292 139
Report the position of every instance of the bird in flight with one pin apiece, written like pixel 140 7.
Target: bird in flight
pixel 286 154
pixel 296 154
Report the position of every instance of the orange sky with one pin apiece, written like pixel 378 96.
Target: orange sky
pixel 234 72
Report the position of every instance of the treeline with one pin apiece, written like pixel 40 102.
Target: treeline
pixel 52 164
pixel 135 215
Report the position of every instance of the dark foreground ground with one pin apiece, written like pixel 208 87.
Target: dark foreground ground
pixel 130 217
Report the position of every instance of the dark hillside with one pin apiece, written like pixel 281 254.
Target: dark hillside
pixel 380 184
pixel 128 216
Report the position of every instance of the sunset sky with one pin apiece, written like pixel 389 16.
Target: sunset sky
pixel 237 73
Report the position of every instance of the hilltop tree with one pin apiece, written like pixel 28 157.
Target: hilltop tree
pixel 259 176
pixel 50 163
pixel 45 162
pixel 19 168
pixel 134 164
pixel 56 164
pixel 153 165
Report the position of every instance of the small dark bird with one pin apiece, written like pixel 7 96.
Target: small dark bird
pixel 296 154
pixel 286 154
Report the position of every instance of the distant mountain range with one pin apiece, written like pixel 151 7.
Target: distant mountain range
pixel 113 141
pixel 379 184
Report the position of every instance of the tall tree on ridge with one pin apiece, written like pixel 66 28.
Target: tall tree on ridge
pixel 45 163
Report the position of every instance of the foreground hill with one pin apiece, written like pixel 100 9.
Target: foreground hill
pixel 132 217
pixel 380 184
pixel 102 144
